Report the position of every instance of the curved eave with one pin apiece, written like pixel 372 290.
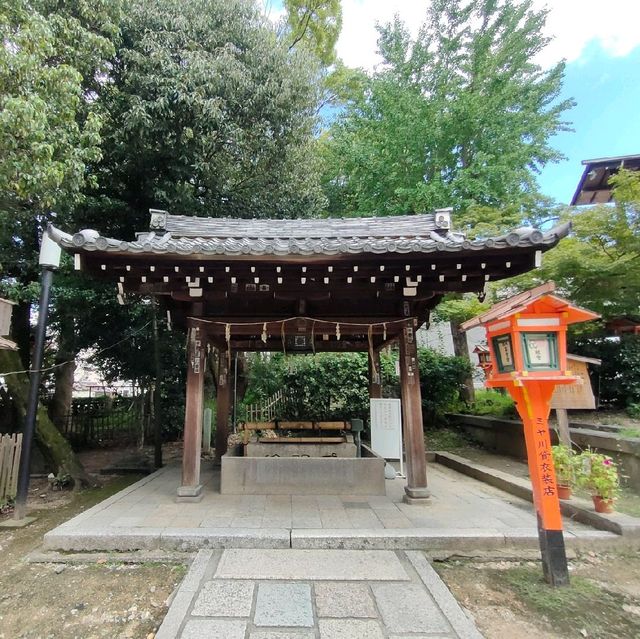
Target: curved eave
pixel 152 244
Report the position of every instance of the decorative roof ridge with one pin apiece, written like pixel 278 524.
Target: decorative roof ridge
pixel 439 221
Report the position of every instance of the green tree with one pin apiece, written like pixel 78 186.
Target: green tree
pixel 52 61
pixel 315 24
pixel 597 266
pixel 209 114
pixel 461 116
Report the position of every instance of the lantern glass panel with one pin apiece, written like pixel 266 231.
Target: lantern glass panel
pixel 540 351
pixel 503 349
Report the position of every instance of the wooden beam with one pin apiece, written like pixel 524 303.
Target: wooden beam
pixel 191 488
pixel 416 489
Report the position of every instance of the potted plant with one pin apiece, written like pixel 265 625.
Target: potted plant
pixel 598 473
pixel 564 461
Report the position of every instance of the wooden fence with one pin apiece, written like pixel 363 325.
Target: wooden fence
pixel 267 410
pixel 10 447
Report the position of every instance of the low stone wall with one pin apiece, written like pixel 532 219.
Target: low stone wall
pixel 507 438
pixel 303 475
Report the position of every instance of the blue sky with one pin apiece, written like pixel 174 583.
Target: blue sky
pixel 605 119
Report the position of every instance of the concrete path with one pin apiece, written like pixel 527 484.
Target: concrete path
pixel 314 594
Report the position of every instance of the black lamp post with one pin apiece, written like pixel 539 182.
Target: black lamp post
pixel 49 261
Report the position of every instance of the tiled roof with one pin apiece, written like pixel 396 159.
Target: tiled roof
pixel 184 236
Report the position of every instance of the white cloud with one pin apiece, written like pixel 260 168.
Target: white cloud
pixel 573 24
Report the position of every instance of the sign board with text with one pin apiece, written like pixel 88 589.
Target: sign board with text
pixel 386 428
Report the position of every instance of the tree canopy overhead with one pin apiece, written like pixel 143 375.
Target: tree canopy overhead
pixel 210 113
pixel 460 116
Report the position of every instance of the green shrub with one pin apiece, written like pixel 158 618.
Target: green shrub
pixel 335 386
pixel 441 379
pixel 620 370
pixel 492 402
pixel 633 410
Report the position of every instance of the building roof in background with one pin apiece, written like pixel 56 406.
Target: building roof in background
pixel 593 187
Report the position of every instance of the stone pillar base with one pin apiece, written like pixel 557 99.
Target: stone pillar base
pixel 416 495
pixel 189 494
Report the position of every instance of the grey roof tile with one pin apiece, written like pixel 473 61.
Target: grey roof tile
pixel 176 235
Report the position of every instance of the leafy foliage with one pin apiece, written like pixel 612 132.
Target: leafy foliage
pixel 492 402
pixel 619 374
pixel 441 381
pixel 459 116
pixel 49 59
pixel 315 24
pixel 335 386
pixel 597 266
pixel 209 114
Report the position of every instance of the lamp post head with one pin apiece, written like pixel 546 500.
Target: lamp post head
pixel 526 336
pixel 49 252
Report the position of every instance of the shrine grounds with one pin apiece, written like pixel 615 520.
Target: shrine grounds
pixel 94 596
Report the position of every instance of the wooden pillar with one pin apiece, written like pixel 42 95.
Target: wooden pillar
pixel 223 403
pixel 375 375
pixel 416 489
pixel 191 489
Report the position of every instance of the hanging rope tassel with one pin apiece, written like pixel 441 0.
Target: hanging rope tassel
pixel 313 337
pixel 284 343
pixel 371 353
pixel 338 331
pixel 384 332
pixel 264 332
pixel 227 337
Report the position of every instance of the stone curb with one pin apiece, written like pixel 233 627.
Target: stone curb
pixel 456 541
pixel 579 510
pixel 464 627
pixel 180 539
pixel 395 539
pixel 187 590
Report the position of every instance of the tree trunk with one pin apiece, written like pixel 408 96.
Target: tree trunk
pixel 60 406
pixel 461 349
pixel 54 446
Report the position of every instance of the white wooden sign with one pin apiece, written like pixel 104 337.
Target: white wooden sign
pixel 386 428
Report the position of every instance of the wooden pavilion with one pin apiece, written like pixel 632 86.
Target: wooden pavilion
pixel 303 285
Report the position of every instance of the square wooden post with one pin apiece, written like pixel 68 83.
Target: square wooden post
pixel 223 403
pixel 191 488
pixel 416 489
pixel 375 375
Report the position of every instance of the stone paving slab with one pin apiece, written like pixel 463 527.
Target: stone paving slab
pixel 317 565
pixel 284 605
pixel 395 595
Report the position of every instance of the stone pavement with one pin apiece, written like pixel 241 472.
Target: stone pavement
pixel 463 513
pixel 314 594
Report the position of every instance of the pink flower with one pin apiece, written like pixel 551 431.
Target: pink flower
pixel 607 462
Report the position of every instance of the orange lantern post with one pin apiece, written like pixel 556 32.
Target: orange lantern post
pixel 527 339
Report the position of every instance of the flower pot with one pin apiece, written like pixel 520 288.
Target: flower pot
pixel 602 505
pixel 564 491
